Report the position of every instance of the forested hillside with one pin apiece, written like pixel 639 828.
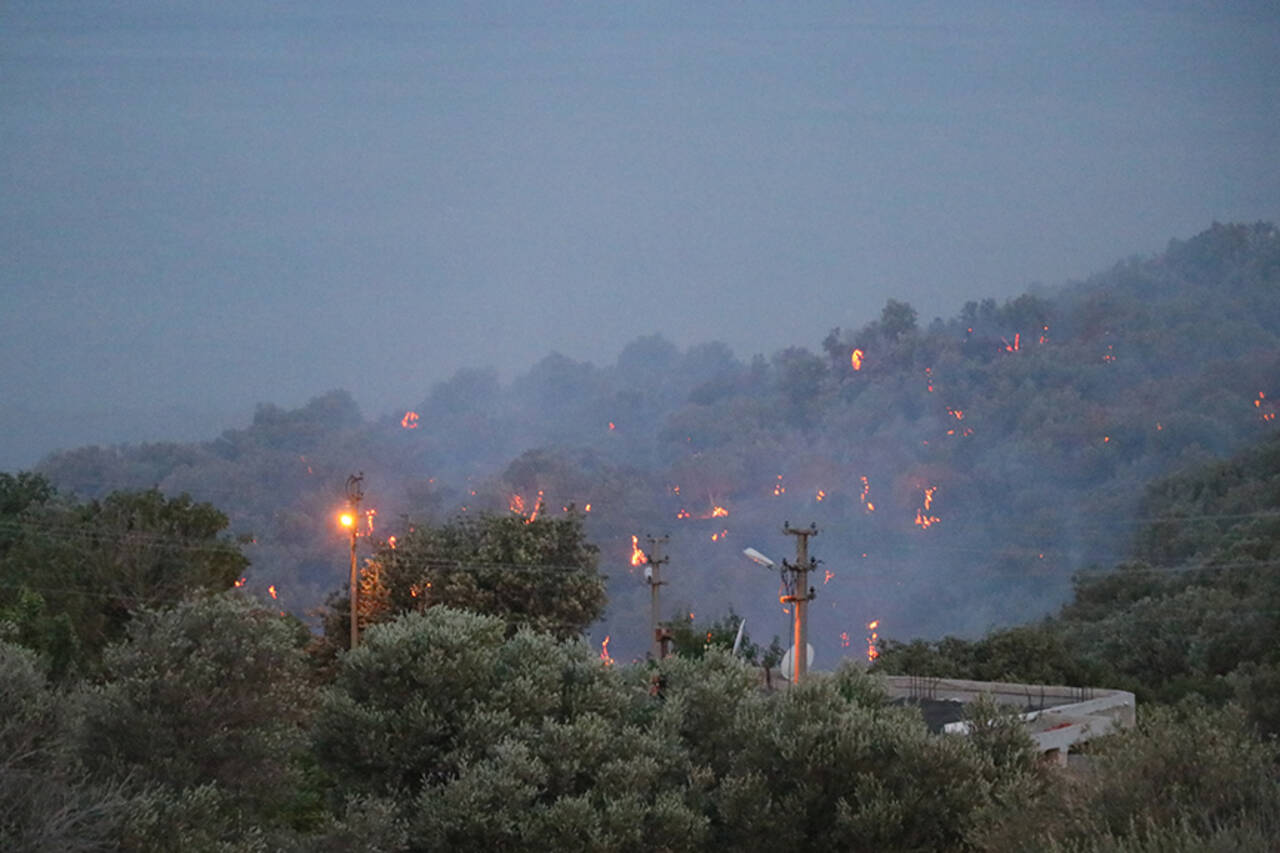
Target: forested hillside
pixel 961 470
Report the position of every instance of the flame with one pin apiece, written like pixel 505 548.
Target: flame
pixel 716 537
pixel 1108 355
pixel 855 359
pixel 719 512
pixel 844 639
pixel 516 504
pixel 958 414
pixel 821 495
pixel 391 542
pixel 368 520
pixel 638 557
pixel 272 590
pixel 872 651
pixel 410 420
pixel 778 488
pixel 866 490
pixel 923 519
pixel 675 490
pixel 587 508
pixel 612 425
pixel 537 508
pixel 683 513
pixel 604 652
pixel 1016 345
pixel 1044 333
pixel 240 583
pixel 830 575
pixel 928 374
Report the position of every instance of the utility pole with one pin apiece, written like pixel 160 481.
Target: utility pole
pixel 653 576
pixel 355 494
pixel 800 596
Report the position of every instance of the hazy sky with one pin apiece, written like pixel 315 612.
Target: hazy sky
pixel 212 204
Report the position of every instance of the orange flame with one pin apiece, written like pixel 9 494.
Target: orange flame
pixel 1016 345
pixel 716 537
pixel 778 488
pixel 240 583
pixel 1108 355
pixel 391 542
pixel 638 557
pixel 516 504
pixel 928 374
pixel 612 425
pixel 923 519
pixel 827 579
pixel 1044 333
pixel 604 652
pixel 844 639
pixel 719 512
pixel 410 420
pixel 587 508
pixel 272 590
pixel 872 651
pixel 821 496
pixel 855 359
pixel 368 519
pixel 866 490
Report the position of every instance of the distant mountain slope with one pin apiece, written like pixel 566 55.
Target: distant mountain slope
pixel 960 471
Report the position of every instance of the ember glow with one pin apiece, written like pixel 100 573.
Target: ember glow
pixel 872 651
pixel 827 579
pixel 928 373
pixel 855 359
pixel 272 591
pixel 1044 333
pixel 391 542
pixel 638 557
pixel 604 652
pixel 716 537
pixel 844 639
pixel 820 496
pixel 866 490
pixel 924 520
pixel 410 420
pixel 1108 356
pixel 778 488
pixel 240 583
pixel 683 513
pixel 368 520
pixel 1016 345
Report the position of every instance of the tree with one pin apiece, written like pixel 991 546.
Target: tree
pixel 71 573
pixel 535 572
pixel 897 319
pixel 201 713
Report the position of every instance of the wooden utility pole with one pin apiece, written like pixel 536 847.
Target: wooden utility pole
pixel 801 595
pixel 653 577
pixel 355 494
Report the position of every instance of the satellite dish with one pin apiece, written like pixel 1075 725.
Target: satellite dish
pixel 786 665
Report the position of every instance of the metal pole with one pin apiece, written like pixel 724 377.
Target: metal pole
pixel 799 599
pixel 355 625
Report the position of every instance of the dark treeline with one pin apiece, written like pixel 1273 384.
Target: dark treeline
pixel 961 470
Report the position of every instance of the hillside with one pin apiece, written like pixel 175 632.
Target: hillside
pixel 961 471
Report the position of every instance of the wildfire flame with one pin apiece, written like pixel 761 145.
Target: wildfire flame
pixel 612 425
pixel 368 520
pixel 778 488
pixel 683 513
pixel 844 639
pixel 410 420
pixel 1108 356
pixel 855 359
pixel 716 537
pixel 923 519
pixel 638 557
pixel 872 651
pixel 866 490
pixel 516 505
pixel 719 512
pixel 604 652
pixel 1016 345
pixel 928 374
pixel 240 583
pixel 1044 333
pixel 827 579
pixel 821 496
pixel 272 590
pixel 391 542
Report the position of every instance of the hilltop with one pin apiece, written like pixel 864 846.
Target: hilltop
pixel 961 470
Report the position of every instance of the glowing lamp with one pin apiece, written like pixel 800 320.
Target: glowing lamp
pixel 347 519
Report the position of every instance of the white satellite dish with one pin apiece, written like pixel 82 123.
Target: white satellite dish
pixel 786 665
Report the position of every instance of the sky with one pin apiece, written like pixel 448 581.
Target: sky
pixel 212 205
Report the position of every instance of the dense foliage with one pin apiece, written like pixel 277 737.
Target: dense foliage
pixel 1196 609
